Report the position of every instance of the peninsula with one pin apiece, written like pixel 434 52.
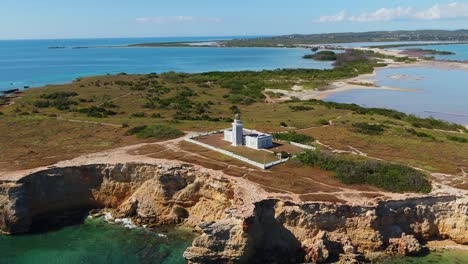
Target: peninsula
pixel 354 184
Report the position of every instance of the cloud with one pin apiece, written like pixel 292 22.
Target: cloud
pixel 446 11
pixel 334 18
pixel 383 14
pixel 177 20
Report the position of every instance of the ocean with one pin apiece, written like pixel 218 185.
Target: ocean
pixel 96 241
pixel 31 62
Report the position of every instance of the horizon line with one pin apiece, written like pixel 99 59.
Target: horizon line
pixel 220 36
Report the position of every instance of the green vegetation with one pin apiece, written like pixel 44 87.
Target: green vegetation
pixel 3 101
pixel 376 36
pixel 429 123
pixel 105 106
pixel 156 131
pixel 138 115
pixel 324 55
pixel 323 122
pixel 432 123
pixel 458 139
pixel 59 100
pixel 432 51
pixel 368 129
pixel 299 108
pixel 388 176
pixel 293 136
pixel 419 133
pixel 97 112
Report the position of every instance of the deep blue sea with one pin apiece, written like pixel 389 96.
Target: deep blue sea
pixel 31 63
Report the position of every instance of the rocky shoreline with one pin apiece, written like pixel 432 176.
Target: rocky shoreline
pixel 234 228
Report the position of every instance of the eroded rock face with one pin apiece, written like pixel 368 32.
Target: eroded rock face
pixel 285 232
pixel 406 245
pixel 146 192
pixel 267 231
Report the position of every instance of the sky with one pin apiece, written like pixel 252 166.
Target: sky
pixel 52 19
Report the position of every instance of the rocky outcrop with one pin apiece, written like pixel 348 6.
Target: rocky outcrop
pixel 151 194
pixel 232 229
pixel 406 245
pixel 285 232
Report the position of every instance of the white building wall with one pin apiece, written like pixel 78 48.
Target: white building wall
pixel 251 142
pixel 237 133
pixel 228 135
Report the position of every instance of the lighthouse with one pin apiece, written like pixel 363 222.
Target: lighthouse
pixel 237 132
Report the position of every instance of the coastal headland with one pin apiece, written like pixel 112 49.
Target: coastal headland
pixel 114 144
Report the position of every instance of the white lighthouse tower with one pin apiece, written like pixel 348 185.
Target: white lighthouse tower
pixel 237 132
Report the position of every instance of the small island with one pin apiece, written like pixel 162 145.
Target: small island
pixel 324 55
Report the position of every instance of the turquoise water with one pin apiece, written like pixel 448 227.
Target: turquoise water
pixel 95 241
pixel 31 63
pixel 439 257
pixel 440 93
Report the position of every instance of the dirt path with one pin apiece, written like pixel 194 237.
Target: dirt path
pixel 268 98
pixel 114 99
pixel 88 122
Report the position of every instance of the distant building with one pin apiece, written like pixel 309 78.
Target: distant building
pixel 249 138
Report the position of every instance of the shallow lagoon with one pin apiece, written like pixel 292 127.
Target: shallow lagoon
pixel 440 93
pixel 460 50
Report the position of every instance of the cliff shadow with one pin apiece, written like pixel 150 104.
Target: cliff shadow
pixel 268 240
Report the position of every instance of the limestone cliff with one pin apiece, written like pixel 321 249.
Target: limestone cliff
pixel 158 194
pixel 235 229
pixel 318 232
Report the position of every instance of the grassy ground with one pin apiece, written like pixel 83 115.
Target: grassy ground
pixel 34 135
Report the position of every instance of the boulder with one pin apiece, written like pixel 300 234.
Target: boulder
pixel 406 245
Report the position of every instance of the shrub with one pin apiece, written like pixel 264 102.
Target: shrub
pixel 298 108
pixel 97 112
pixel 388 176
pixel 368 129
pixel 419 134
pixel 138 115
pixel 109 104
pixel 235 109
pixel 324 55
pixel 323 122
pixel 156 115
pixel 156 131
pixel 283 124
pixel 293 136
pixel 432 123
pixel 457 139
pixel 42 103
pixel 284 154
pixel 58 95
pixel 240 99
